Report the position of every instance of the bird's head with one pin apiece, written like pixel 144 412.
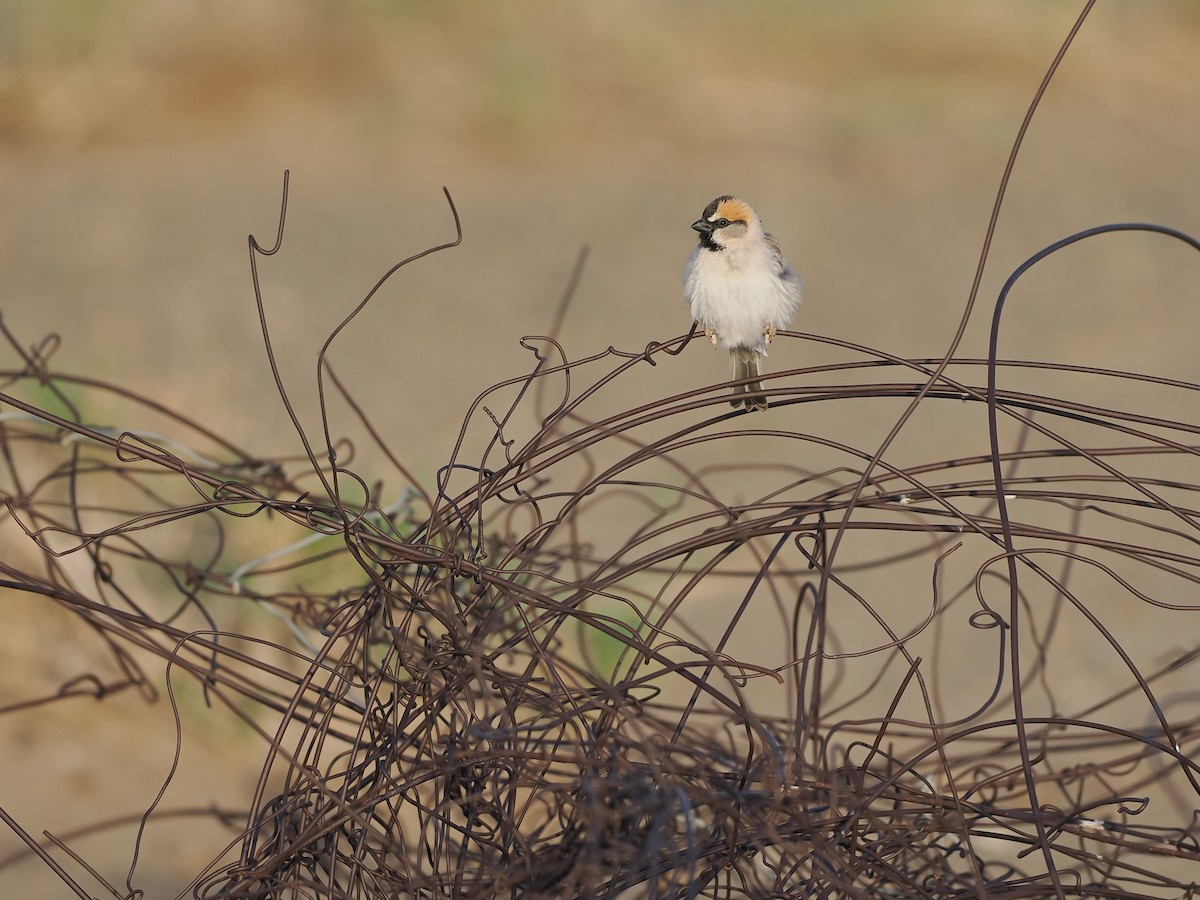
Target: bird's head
pixel 725 222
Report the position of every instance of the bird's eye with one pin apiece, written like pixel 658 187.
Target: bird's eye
pixel 722 222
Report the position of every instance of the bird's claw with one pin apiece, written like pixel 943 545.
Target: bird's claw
pixel 711 334
pixel 769 333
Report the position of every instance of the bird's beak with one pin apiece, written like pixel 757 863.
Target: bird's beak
pixel 703 226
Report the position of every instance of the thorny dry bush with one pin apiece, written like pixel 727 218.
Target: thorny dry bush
pixel 590 662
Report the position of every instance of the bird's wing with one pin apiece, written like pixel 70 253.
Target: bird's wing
pixel 777 252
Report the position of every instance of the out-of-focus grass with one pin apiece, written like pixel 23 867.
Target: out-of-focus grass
pixel 513 79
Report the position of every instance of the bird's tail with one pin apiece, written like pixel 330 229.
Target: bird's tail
pixel 746 365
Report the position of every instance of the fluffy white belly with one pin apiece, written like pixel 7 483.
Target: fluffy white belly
pixel 740 305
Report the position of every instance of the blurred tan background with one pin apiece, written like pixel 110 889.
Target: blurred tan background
pixel 141 142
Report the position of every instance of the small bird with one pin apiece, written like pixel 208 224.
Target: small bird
pixel 740 288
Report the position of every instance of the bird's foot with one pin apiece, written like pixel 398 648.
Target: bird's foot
pixel 769 333
pixel 711 334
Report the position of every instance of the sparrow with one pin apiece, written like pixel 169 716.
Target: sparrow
pixel 740 289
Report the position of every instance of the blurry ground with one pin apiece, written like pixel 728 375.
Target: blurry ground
pixel 140 143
